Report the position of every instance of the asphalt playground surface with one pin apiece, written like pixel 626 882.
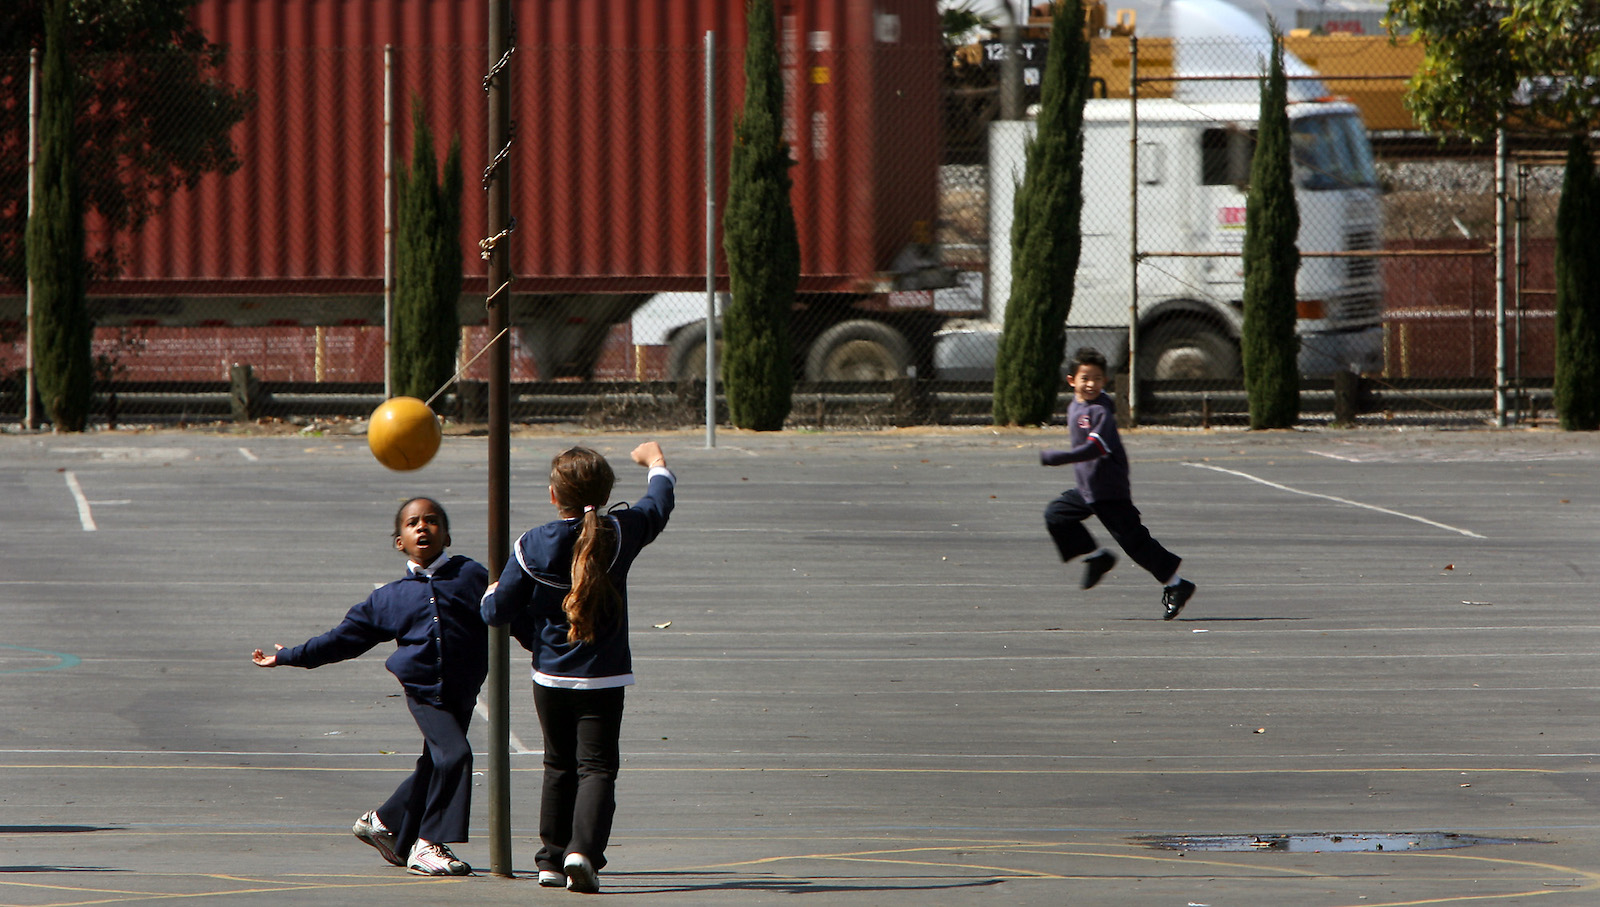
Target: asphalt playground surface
pixel 863 676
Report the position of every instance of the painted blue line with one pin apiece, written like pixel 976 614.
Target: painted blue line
pixel 63 660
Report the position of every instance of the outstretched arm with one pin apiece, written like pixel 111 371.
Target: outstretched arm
pixel 263 659
pixel 1091 449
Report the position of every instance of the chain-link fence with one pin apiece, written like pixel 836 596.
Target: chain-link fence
pixel 903 186
pixel 1397 280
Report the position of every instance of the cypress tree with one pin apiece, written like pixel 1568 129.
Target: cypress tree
pixel 1577 381
pixel 759 237
pixel 427 324
pixel 1045 238
pixel 1269 347
pixel 62 330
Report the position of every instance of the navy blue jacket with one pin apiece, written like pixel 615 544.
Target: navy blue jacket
pixel 538 577
pixel 1099 462
pixel 442 652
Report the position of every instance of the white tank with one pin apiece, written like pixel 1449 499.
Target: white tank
pixel 1214 38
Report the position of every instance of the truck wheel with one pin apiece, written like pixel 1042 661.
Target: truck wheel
pixel 858 351
pixel 686 357
pixel 1187 349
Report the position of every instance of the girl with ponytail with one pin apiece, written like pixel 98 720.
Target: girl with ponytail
pixel 564 595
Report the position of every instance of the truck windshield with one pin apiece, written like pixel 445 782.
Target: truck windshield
pixel 1332 152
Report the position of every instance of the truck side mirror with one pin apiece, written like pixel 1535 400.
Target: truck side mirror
pixel 1152 163
pixel 1241 154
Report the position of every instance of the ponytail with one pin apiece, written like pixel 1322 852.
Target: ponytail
pixel 582 478
pixel 591 603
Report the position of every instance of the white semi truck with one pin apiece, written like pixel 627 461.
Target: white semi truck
pixel 1194 162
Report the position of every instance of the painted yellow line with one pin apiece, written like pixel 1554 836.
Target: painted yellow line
pixel 917 857
pixel 838 770
pixel 1592 879
pixel 886 857
pixel 117 896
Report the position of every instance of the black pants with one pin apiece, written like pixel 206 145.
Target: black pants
pixel 581 758
pixel 435 802
pixel 1064 518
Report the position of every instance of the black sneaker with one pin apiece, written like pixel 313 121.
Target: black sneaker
pixel 1175 597
pixel 1096 567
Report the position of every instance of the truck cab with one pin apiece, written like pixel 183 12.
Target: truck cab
pixel 1193 168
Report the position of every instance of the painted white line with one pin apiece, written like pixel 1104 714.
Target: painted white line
pixel 1338 500
pixel 1249 658
pixel 896 757
pixel 85 516
pixel 1334 456
pixel 517 746
pixel 248 455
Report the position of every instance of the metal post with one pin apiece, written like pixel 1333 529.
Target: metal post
pixel 1518 274
pixel 711 242
pixel 1500 276
pixel 1133 230
pixel 498 184
pixel 30 413
pixel 1011 67
pixel 388 221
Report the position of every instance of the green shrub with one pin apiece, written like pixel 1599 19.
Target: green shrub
pixel 759 237
pixel 426 331
pixel 62 330
pixel 1577 381
pixel 1269 348
pixel 1045 236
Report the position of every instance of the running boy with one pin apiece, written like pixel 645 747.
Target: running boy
pixel 565 595
pixel 1101 467
pixel 441 659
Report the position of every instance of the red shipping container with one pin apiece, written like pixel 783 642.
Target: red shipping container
pixel 608 159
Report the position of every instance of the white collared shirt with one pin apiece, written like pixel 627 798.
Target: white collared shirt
pixel 438 562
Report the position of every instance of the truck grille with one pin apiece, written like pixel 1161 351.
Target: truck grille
pixel 1360 269
pixel 1352 310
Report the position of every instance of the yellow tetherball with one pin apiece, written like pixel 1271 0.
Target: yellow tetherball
pixel 403 433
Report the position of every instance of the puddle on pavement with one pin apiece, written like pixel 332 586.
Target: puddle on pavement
pixel 1354 842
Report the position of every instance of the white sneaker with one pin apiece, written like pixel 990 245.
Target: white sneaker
pixel 581 874
pixel 369 828
pixel 430 859
pixel 549 878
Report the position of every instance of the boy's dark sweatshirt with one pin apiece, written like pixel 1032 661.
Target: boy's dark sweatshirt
pixel 1099 462
pixel 442 645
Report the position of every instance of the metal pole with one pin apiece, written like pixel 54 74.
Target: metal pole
pixel 1500 276
pixel 388 221
pixel 1519 272
pixel 498 180
pixel 30 413
pixel 1011 67
pixel 711 242
pixel 1133 229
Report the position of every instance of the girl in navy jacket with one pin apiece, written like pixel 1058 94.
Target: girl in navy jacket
pixel 565 596
pixel 441 659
